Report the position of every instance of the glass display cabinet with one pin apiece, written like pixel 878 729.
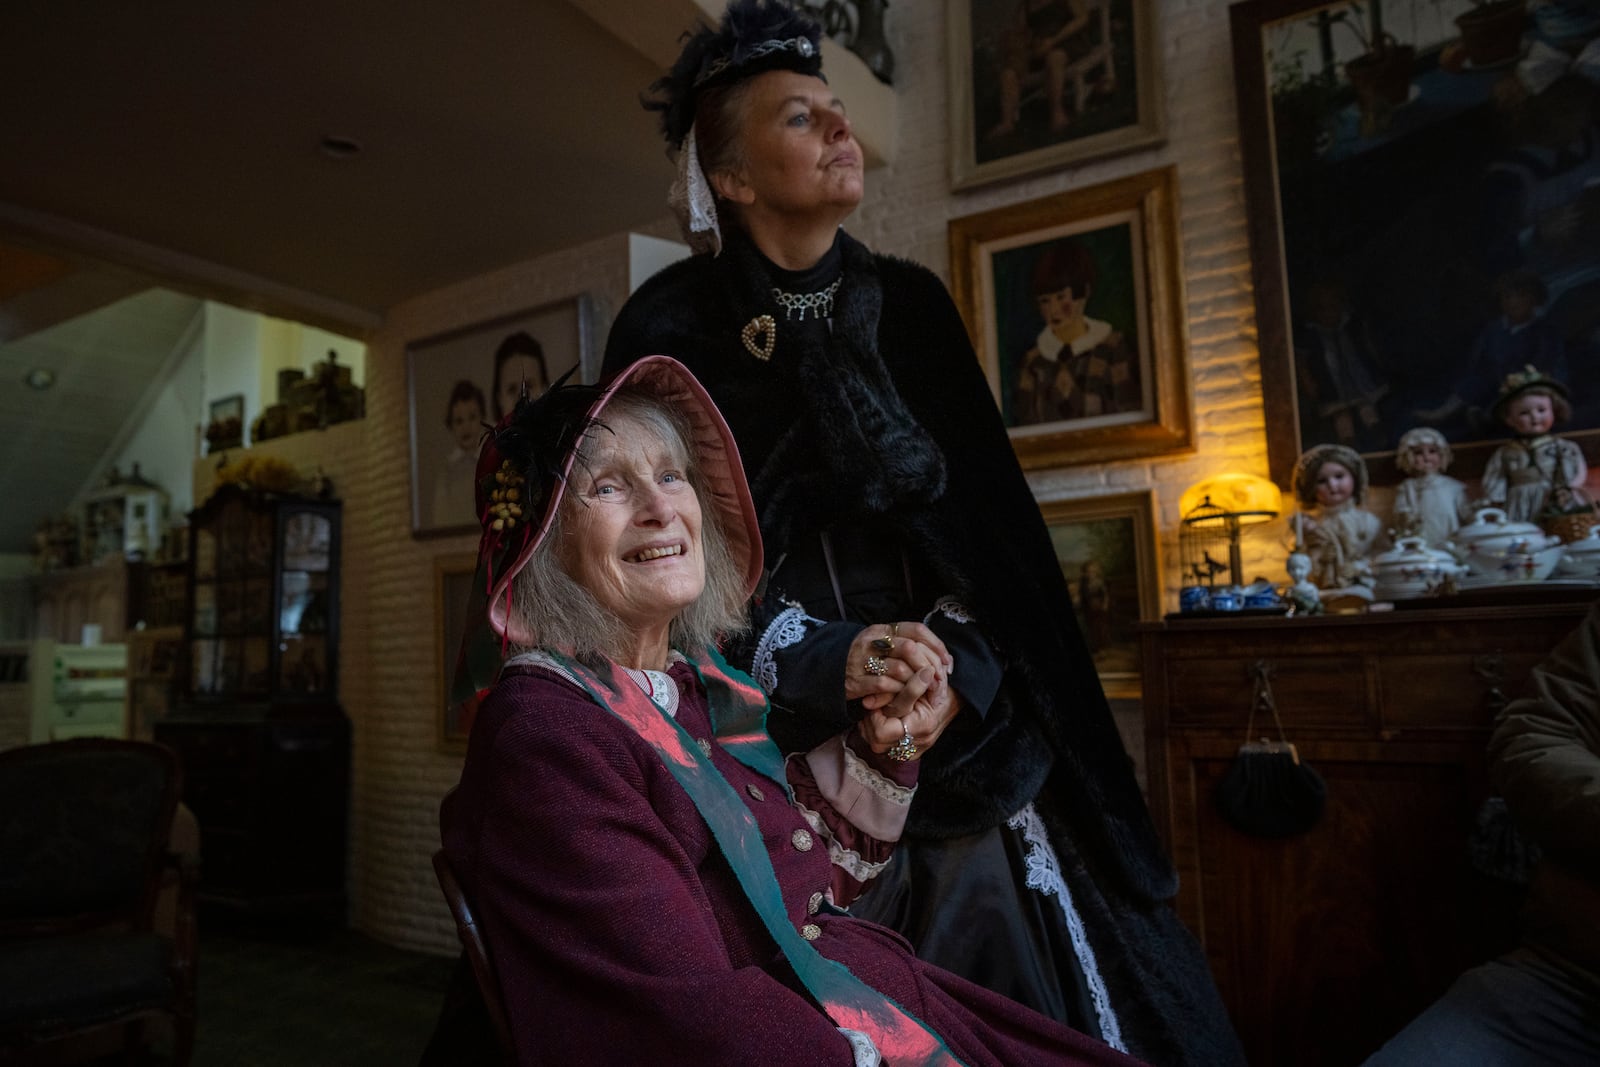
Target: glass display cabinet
pixel 264 599
pixel 264 743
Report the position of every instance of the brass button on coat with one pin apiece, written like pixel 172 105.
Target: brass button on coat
pixel 755 791
pixel 814 905
pixel 811 931
pixel 801 839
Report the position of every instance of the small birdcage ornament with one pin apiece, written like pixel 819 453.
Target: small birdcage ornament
pixel 1214 512
pixel 1207 548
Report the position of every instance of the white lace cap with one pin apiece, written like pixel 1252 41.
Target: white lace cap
pixel 692 201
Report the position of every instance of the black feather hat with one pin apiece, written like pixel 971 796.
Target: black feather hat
pixel 755 36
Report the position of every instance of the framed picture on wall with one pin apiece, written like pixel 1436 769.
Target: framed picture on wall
pixel 226 428
pixel 1075 306
pixel 452 588
pixel 1424 218
pixel 1106 546
pixel 1039 84
pixel 462 382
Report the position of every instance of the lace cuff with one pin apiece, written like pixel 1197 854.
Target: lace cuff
pixel 950 608
pixel 789 628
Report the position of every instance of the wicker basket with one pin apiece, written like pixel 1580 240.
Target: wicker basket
pixel 1570 527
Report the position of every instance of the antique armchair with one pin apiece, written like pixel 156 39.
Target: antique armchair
pixel 84 832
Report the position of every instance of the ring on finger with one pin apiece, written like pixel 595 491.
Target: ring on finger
pixel 904 750
pixel 877 666
pixel 884 646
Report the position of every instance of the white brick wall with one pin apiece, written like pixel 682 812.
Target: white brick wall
pixel 400 775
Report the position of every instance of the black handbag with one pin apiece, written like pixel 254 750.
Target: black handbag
pixel 1268 791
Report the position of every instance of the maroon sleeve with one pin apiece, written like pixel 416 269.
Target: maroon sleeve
pixel 603 936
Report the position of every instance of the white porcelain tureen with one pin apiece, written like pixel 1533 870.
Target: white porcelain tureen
pixel 1412 569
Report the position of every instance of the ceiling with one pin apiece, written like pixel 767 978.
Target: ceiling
pixel 182 143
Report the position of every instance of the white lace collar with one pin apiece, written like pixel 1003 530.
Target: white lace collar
pixel 1095 332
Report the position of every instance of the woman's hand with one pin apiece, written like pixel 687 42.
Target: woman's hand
pixel 922 709
pixel 885 656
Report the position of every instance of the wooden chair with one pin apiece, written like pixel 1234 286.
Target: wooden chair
pixel 477 952
pixel 84 832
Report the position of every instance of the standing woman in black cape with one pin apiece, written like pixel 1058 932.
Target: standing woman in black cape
pixel 899 527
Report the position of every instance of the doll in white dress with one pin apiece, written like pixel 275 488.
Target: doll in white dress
pixel 1330 482
pixel 1535 472
pixel 1429 504
pixel 1301 594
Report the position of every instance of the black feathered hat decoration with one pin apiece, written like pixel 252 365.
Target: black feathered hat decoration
pixel 755 36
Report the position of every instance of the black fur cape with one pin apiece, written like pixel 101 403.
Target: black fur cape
pixel 892 418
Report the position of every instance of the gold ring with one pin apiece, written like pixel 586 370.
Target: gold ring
pixel 905 750
pixel 877 666
pixel 884 646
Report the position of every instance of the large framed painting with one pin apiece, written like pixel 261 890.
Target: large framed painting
pixel 1039 84
pixel 1075 306
pixel 1106 546
pixel 462 382
pixel 1423 185
pixel 452 589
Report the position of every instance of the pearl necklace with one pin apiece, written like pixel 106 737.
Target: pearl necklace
pixel 819 303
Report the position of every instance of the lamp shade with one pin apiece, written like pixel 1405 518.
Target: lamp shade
pixel 1245 498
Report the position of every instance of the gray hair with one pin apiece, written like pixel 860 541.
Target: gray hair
pixel 566 617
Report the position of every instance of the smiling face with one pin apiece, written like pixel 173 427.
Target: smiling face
pixel 631 531
pixel 798 157
pixel 1335 484
pixel 1531 414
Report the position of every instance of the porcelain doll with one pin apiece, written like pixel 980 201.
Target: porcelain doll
pixel 1301 594
pixel 1536 470
pixel 1429 504
pixel 1330 482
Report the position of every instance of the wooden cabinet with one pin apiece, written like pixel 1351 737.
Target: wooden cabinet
pixel 67 600
pixel 1325 944
pixel 270 794
pixel 264 744
pixel 115 594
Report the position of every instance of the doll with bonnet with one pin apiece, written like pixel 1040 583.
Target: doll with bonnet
pixel 1535 472
pixel 1330 483
pixel 1429 504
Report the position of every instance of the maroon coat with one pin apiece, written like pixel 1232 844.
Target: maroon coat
pixel 619 933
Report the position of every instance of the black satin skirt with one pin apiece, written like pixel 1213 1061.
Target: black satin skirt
pixel 964 905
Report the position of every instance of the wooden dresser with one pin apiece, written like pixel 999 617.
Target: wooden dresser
pixel 1325 944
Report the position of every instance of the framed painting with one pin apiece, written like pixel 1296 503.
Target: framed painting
pixel 1075 306
pixel 452 588
pixel 461 382
pixel 1424 208
pixel 1106 546
pixel 1039 84
pixel 226 428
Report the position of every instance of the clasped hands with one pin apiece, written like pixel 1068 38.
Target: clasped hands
pixel 901 674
